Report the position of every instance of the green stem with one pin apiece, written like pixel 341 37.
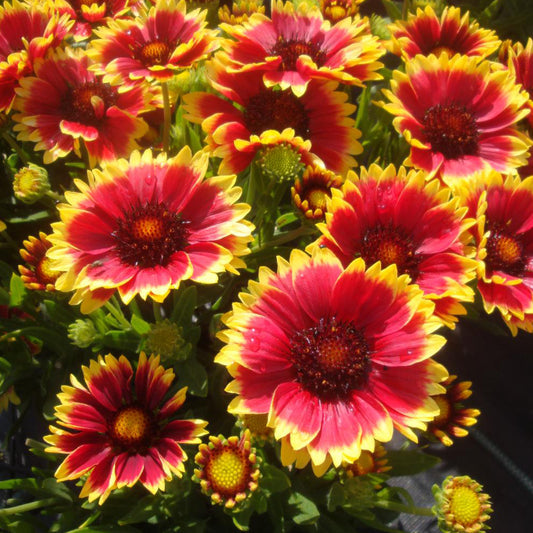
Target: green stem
pixel 13 144
pixel 405 9
pixel 31 506
pixel 116 311
pixel 166 116
pixel 285 238
pixel 402 508
pixel 85 154
pixel 55 196
pixel 135 309
pixel 159 314
pixel 90 520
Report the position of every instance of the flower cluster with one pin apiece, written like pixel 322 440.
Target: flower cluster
pixel 247 202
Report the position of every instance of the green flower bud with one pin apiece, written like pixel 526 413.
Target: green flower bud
pixel 31 183
pixel 166 339
pixel 82 333
pixel 280 162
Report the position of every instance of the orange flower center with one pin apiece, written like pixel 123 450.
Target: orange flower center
pixel 335 10
pixel 291 50
pixel 364 465
pixel 276 110
pixel 44 273
pixel 148 235
pixel 452 130
pixel 504 251
pixel 87 103
pixel 440 49
pixel 390 246
pixel 330 359
pixel 465 506
pixel 228 471
pixel 155 53
pixel 131 427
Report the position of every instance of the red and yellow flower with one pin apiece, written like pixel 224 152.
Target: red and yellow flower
pixel 453 417
pixel 37 275
pixel 311 191
pixel 156 45
pixel 336 357
pixel 121 427
pixel 369 462
pixel 297 45
pixel 240 11
pixel 87 13
pixel 458 115
pixel 520 61
pixel 335 10
pixel 144 225
pixel 65 104
pixel 427 33
pixel 317 125
pixel 228 469
pixel 396 217
pixel 503 238
pixel 7 398
pixel 26 33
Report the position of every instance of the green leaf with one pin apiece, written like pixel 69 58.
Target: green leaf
pixel 17 291
pixel 58 313
pixel 126 341
pixel 193 375
pixel 28 484
pixel 106 529
pixel 185 306
pixel 54 488
pixel 286 219
pixel 335 497
pixel 306 511
pixel 274 479
pixel 51 339
pixel 393 9
pixel 140 325
pixel 409 462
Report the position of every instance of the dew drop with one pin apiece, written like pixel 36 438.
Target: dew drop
pixel 254 343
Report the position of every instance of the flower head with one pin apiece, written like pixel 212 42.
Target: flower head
pixel 426 33
pixel 317 125
pixel 65 104
pixel 240 11
pixel 453 417
pixel 280 162
pixel 121 427
pixel 8 397
pixel 468 124
pixel 311 191
pixel 369 462
pixel 336 357
pixel 37 274
pixel 82 332
pixel 520 61
pixel 503 238
pixel 397 217
pixel 144 225
pixel 156 45
pixel 31 183
pixel 26 33
pixel 461 507
pixel 165 338
pixel 335 10
pixel 228 469
pixel 297 45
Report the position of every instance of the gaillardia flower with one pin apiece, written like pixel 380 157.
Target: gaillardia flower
pixel 89 13
pixel 156 45
pixel 458 115
pixel 65 104
pixel 297 45
pixel 504 241
pixel 396 217
pixel 239 11
pixel 121 427
pixel 335 10
pixel 228 469
pixel 336 357
pixel 460 506
pixel 426 33
pixel 453 417
pixel 8 397
pixel 26 33
pixel 37 274
pixel 310 192
pixel 369 462
pixel 144 225
pixel 520 63
pixel 317 125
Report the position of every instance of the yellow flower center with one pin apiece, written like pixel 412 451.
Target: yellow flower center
pixel 131 426
pixel 227 470
pixel 445 410
pixel 317 199
pixel 440 49
pixel 44 273
pixel 148 228
pixel 465 506
pixel 364 465
pixel 155 53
